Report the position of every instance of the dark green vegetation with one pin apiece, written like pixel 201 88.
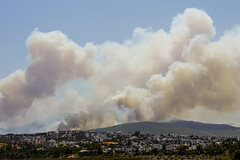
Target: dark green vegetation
pixel 172 157
pixel 228 149
pixel 176 127
pixel 96 158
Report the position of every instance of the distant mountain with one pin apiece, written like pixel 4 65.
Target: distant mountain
pixel 179 127
pixel 201 126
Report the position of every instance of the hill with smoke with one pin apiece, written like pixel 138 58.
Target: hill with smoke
pixel 153 76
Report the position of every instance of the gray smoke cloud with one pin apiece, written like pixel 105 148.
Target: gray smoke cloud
pixel 152 76
pixel 162 75
pixel 128 67
pixel 207 76
pixel 54 60
pixel 85 120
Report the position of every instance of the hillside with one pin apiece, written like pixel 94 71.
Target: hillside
pixel 175 127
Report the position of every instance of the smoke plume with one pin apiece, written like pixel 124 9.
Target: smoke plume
pixel 151 77
pixel 54 60
pixel 121 78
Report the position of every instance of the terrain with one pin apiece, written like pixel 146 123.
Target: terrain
pixel 178 127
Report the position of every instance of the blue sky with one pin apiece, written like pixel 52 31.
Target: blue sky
pixel 94 21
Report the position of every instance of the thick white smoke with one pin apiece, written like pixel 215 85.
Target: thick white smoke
pixel 153 76
pixel 194 72
pixel 54 60
pixel 207 76
pixel 128 67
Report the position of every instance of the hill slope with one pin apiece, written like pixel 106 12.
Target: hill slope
pixel 175 127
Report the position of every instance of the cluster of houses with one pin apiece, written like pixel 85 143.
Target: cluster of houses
pixel 112 142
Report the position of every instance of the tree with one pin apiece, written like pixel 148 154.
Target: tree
pixel 199 149
pixel 182 150
pixel 236 155
pixel 136 133
pixel 164 147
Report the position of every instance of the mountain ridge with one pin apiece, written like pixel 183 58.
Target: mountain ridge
pixel 179 127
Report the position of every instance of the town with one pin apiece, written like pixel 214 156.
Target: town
pixel 85 143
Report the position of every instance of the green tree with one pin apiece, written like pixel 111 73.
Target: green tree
pixel 199 149
pixel 236 155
